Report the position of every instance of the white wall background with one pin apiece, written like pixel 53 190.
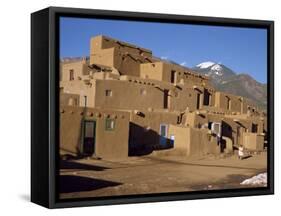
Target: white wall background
pixel 15 106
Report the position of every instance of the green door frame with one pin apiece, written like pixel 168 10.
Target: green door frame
pixel 89 143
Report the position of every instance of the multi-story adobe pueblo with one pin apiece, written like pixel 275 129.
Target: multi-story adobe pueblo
pixel 123 101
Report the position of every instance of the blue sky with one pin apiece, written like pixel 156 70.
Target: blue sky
pixel 244 50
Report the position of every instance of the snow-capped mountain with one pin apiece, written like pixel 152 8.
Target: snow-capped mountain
pixel 225 79
pixel 216 71
pixel 205 64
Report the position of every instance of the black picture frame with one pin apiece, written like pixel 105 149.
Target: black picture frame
pixel 45 100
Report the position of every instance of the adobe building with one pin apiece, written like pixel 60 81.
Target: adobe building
pixel 123 101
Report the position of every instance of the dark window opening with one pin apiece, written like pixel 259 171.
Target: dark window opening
pixel 178 119
pixel 198 101
pixel 210 125
pixel 108 93
pixel 207 96
pixel 228 103
pixel 254 128
pixel 173 76
pixel 166 95
pixel 71 74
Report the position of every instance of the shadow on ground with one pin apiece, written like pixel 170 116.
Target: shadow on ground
pixel 65 164
pixel 69 184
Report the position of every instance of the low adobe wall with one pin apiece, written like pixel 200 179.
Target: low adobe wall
pixel 253 141
pixel 193 141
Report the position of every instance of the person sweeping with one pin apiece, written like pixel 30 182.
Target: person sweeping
pixel 240 152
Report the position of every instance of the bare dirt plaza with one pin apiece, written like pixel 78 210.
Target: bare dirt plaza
pixel 155 174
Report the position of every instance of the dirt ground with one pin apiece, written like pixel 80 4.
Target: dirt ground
pixel 155 174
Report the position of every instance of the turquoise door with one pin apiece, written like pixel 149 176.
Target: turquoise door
pixel 163 134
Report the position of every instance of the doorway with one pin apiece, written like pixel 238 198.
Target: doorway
pixel 89 138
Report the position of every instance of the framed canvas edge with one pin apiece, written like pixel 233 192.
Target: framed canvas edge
pixel 54 12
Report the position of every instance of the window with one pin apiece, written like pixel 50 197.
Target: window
pixel 206 100
pixel 108 93
pixel 166 102
pixel 163 130
pixel 173 76
pixel 254 128
pixel 198 101
pixel 216 128
pixel 71 74
pixel 179 119
pixel 109 124
pixel 210 125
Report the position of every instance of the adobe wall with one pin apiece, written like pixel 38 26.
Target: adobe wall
pixel 127 95
pixel 145 127
pixel 181 99
pixel 104 57
pixel 125 57
pixel 69 99
pixel 192 141
pixel 236 127
pixel 221 101
pixel 103 42
pixel 250 108
pixel 232 126
pixel 163 71
pixel 152 71
pixel 82 88
pixel 108 145
pixel 130 94
pixel 253 141
pixel 80 69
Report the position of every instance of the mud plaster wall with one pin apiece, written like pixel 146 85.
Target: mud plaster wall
pixel 181 99
pixel 79 87
pixel 221 101
pixel 111 144
pixel 127 95
pixel 103 57
pixel 163 72
pixel 253 141
pixel 193 141
pixel 80 68
pixel 69 99
pixel 126 58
